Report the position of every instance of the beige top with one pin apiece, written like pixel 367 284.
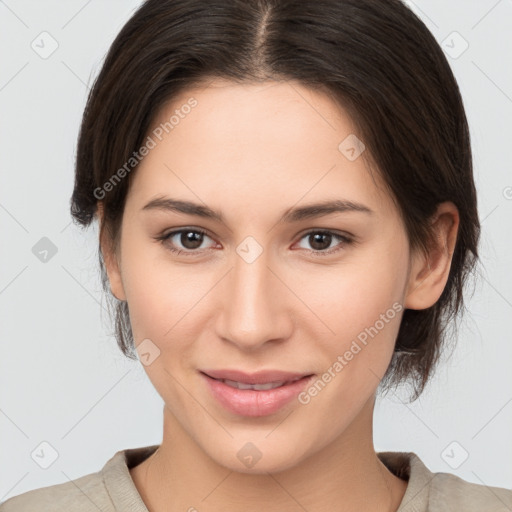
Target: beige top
pixel 112 489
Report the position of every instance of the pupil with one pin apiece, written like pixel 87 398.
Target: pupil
pixel 193 238
pixel 315 239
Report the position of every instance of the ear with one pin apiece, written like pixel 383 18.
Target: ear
pixel 429 272
pixel 111 259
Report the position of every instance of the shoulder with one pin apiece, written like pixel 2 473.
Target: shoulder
pixel 450 490
pixel 84 494
pixel 109 490
pixel 442 492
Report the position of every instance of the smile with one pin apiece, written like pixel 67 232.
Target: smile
pixel 257 394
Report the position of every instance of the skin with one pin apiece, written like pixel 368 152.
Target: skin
pixel 253 151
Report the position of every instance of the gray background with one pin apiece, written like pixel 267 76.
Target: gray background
pixel 62 379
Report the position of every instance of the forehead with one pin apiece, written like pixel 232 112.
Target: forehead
pixel 246 115
pixel 270 143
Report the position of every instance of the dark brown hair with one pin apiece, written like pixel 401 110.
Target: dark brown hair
pixel 376 58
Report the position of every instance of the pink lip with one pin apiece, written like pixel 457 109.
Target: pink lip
pixel 251 402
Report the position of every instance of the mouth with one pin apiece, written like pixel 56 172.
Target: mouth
pixel 254 394
pixel 257 387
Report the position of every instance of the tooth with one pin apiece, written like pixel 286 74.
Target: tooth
pixel 257 387
pixel 269 385
pixel 231 383
pixel 242 385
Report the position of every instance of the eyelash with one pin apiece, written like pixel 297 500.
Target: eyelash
pixel 343 238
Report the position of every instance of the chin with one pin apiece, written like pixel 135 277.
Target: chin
pixel 260 456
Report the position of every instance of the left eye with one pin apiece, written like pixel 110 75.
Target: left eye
pixel 318 240
pixel 192 239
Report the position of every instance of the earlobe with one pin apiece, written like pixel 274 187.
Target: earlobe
pixel 429 271
pixel 110 259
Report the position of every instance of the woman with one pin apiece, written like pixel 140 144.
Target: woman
pixel 221 144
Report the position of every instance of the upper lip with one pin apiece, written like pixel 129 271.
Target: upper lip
pixel 259 377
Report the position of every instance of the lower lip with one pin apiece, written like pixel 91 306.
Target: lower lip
pixel 251 402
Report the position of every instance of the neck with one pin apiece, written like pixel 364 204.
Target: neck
pixel 346 475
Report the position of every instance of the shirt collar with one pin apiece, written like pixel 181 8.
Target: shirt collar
pixel 125 496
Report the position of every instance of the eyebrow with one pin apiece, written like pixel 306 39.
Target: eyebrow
pixel 297 214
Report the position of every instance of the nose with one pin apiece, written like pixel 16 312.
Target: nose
pixel 255 305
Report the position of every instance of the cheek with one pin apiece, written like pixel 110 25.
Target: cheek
pixel 159 293
pixel 354 297
pixel 163 298
pixel 362 305
pixel 364 311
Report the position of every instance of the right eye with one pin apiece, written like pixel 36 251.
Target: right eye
pixel 190 239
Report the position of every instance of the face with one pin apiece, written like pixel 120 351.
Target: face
pixel 314 297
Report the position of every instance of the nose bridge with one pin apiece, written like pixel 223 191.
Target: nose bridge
pixel 253 306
